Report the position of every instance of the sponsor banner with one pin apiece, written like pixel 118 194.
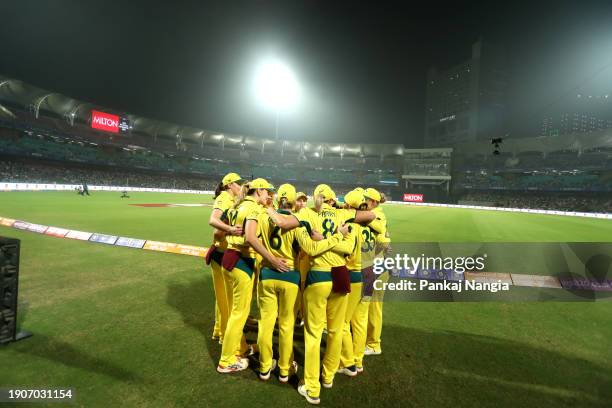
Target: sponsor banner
pixel 535 281
pixel 579 283
pixel 21 225
pixel 413 198
pixel 56 232
pixel 489 277
pixel 103 238
pixel 37 228
pixel 191 250
pixel 104 121
pixel 7 222
pixel 175 248
pixel 80 235
pixel 130 242
pixel 430 274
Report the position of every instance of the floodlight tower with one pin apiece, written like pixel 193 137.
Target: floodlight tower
pixel 276 88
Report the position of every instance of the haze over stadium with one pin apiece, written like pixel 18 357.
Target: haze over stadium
pixel 468 131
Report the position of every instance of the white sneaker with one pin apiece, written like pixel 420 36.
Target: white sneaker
pixel 371 352
pixel 327 385
pixel 266 376
pixel 239 365
pixel 359 370
pixel 292 371
pixel 350 371
pixel 311 400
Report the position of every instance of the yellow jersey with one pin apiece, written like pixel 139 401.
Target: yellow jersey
pixel 374 233
pixel 223 202
pixel 326 221
pixel 286 244
pixel 248 209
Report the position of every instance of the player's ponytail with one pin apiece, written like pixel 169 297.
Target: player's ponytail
pixel 219 189
pixel 383 198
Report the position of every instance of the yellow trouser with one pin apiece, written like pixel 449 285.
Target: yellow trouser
pixel 221 302
pixel 375 316
pixel 234 342
pixel 321 306
pixel 276 298
pixel 359 328
pixel 347 356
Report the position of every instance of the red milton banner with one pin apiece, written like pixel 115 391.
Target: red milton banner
pixel 105 121
pixel 413 198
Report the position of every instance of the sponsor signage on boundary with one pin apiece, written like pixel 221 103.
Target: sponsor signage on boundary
pixel 579 283
pixel 130 242
pixel 191 250
pixel 535 281
pixel 21 225
pixel 80 235
pixel 413 198
pixel 37 228
pixel 175 248
pixel 103 238
pixel 7 222
pixel 489 277
pixel 56 232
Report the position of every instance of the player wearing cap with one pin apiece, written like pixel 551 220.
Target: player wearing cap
pixel 225 194
pixel 278 291
pixel 239 265
pixel 321 304
pixel 378 228
pixel 354 342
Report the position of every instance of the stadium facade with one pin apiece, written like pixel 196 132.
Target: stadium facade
pixel 467 102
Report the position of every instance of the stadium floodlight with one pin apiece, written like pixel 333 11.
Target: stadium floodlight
pixel 276 87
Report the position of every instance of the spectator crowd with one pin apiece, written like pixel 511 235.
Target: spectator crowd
pixel 549 201
pixel 47 173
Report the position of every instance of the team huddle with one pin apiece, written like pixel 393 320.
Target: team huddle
pixel 307 265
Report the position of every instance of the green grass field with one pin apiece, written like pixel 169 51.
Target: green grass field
pixel 127 327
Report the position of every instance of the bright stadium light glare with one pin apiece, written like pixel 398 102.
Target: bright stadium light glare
pixel 276 86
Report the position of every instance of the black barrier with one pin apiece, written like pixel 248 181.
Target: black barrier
pixel 9 288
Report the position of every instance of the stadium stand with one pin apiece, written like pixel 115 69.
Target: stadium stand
pixel 48 137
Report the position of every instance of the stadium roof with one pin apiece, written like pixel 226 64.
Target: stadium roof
pixel 16 94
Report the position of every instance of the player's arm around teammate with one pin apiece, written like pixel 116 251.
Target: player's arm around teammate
pixel 278 290
pixel 239 266
pixel 321 304
pixel 225 194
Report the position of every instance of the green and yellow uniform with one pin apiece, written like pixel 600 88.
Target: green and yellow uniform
pixel 375 311
pixel 353 342
pixel 224 202
pixel 321 305
pixel 241 278
pixel 278 291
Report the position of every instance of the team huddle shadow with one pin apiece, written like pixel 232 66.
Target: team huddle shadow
pixel 433 368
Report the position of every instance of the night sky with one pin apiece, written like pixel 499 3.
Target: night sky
pixel 362 67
